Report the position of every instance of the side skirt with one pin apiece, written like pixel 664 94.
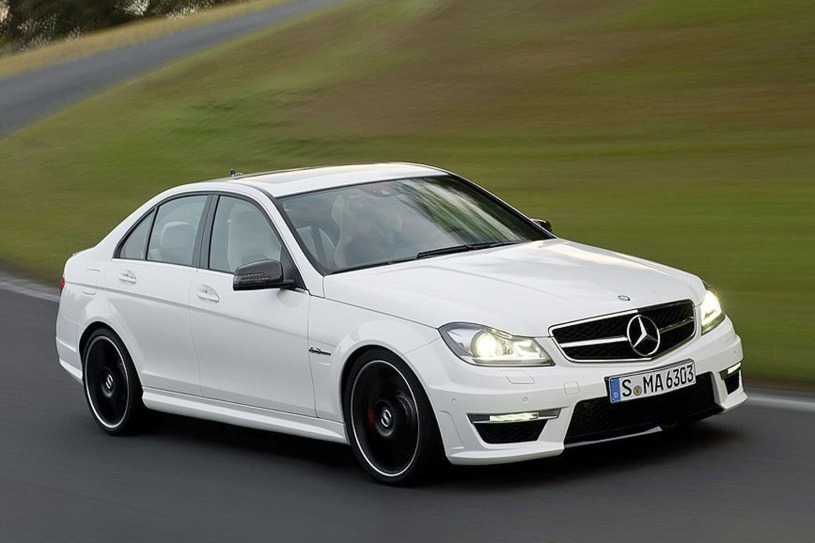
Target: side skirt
pixel 243 415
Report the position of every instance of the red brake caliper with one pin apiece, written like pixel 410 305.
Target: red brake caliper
pixel 371 423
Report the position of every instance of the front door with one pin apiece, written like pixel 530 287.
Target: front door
pixel 251 345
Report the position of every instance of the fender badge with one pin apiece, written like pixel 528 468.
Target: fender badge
pixel 624 298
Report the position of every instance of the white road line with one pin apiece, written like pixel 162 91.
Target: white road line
pixel 35 290
pixel 780 402
pixel 28 288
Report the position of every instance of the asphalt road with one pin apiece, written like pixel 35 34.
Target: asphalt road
pixel 31 95
pixel 745 476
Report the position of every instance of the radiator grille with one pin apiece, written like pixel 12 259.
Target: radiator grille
pixel 605 338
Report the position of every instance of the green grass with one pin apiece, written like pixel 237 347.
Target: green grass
pixel 666 129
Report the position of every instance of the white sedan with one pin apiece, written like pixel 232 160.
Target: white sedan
pixel 397 308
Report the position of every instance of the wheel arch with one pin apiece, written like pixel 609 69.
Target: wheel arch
pixel 358 352
pixel 352 358
pixel 429 441
pixel 341 333
pixel 88 332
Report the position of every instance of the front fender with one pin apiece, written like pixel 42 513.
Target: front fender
pixel 343 330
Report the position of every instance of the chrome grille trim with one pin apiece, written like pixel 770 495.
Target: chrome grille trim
pixel 587 342
pixel 609 331
pixel 679 324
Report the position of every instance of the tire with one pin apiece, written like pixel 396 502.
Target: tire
pixel 389 420
pixel 112 387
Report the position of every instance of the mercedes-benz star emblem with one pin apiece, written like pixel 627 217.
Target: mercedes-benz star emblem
pixel 386 418
pixel 643 335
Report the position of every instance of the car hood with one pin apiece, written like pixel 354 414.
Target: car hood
pixel 522 289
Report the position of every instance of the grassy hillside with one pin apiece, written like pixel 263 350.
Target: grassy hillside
pixel 678 130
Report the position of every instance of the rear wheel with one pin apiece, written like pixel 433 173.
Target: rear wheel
pixel 390 422
pixel 112 388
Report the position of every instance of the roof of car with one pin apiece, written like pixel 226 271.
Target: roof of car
pixel 286 182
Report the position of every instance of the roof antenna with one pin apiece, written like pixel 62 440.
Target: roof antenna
pixel 233 173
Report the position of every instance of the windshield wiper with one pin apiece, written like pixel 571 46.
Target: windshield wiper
pixel 464 248
pixel 433 252
pixel 490 244
pixel 445 251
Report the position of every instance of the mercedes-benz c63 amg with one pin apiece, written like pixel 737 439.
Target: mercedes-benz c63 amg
pixel 398 308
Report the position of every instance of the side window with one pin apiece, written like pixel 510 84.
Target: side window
pixel 135 246
pixel 173 237
pixel 240 235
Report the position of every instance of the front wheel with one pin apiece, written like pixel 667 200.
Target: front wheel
pixel 390 422
pixel 112 388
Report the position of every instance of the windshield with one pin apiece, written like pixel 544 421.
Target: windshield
pixel 392 221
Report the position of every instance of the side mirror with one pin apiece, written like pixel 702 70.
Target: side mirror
pixel 543 223
pixel 260 275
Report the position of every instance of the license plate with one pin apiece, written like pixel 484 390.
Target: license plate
pixel 651 382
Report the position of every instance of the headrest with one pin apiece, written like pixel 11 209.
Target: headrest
pixel 177 234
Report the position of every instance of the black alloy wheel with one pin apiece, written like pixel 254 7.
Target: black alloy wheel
pixel 390 422
pixel 112 388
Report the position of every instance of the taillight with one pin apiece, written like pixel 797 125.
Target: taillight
pixel 61 284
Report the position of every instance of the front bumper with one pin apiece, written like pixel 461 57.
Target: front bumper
pixel 458 391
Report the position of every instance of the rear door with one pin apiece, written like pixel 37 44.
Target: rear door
pixel 148 289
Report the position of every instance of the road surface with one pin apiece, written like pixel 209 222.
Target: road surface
pixel 745 476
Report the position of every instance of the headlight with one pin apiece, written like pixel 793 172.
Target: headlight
pixel 485 346
pixel 711 311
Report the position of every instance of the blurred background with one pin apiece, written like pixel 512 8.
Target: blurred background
pixel 681 131
pixel 27 24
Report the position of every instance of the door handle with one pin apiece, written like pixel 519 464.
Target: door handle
pixel 127 277
pixel 206 293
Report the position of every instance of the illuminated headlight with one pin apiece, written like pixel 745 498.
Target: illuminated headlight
pixel 487 346
pixel 711 311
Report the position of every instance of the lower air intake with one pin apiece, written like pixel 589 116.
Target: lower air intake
pixel 510 432
pixel 732 383
pixel 598 418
